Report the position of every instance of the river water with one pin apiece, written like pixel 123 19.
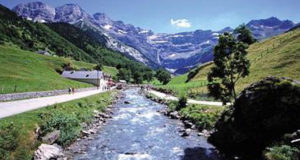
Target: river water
pixel 138 132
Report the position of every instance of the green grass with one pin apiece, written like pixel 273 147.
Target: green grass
pixel 23 71
pixel 179 86
pixel 278 56
pixel 204 117
pixel 110 70
pixel 26 123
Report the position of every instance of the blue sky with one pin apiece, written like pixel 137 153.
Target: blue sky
pixel 170 16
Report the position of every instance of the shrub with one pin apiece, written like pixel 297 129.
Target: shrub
pixel 283 152
pixel 204 117
pixel 68 124
pixel 181 103
pixel 262 114
pixel 8 140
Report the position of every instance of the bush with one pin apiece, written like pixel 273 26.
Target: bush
pixel 181 103
pixel 69 127
pixel 8 140
pixel 204 117
pixel 283 152
pixel 262 114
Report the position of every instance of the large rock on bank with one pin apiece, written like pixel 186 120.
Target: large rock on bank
pixel 262 113
pixel 46 152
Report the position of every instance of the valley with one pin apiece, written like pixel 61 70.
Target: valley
pixel 178 53
pixel 80 84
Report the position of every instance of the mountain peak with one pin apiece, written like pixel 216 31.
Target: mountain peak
pixel 37 11
pixel 70 13
pixel 102 18
pixel 272 21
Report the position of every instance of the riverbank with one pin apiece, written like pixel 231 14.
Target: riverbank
pixel 194 116
pixel 22 134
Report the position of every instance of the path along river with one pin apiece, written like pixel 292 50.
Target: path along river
pixel 138 132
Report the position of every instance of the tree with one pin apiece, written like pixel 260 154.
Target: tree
pixel 98 67
pixel 230 64
pixel 124 74
pixel 163 76
pixel 244 34
pixel 148 75
pixel 138 78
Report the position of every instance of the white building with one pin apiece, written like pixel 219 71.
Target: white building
pixel 97 78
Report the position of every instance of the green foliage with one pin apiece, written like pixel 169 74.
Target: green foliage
pixel 204 117
pixel 244 34
pixel 148 75
pixel 67 124
pixel 99 67
pixel 230 64
pixel 124 74
pixel 163 76
pixel 182 103
pixel 138 78
pixel 283 152
pixel 8 138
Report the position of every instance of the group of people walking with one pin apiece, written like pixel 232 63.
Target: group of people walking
pixel 71 90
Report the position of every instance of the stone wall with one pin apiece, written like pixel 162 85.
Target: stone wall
pixel 28 95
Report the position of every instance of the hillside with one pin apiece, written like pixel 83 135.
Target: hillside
pixel 278 56
pixel 60 39
pixel 35 36
pixel 23 71
pixel 92 43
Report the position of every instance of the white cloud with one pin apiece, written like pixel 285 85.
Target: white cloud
pixel 182 23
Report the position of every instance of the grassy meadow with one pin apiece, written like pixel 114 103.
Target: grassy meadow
pixel 23 71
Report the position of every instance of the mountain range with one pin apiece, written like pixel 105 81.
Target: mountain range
pixel 175 52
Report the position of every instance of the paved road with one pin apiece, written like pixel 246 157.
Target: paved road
pixel 191 101
pixel 20 106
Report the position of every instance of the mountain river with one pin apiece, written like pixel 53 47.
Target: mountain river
pixel 137 131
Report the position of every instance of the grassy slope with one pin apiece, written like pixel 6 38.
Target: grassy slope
pixel 33 72
pixel 278 56
pixel 26 123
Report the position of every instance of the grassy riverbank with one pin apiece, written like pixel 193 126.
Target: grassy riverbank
pixel 203 116
pixel 18 138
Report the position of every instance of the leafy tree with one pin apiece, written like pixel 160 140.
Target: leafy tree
pixel 230 64
pixel 163 76
pixel 244 34
pixel 182 103
pixel 98 67
pixel 138 78
pixel 148 76
pixel 124 74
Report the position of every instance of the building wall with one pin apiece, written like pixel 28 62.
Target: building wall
pixel 96 82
